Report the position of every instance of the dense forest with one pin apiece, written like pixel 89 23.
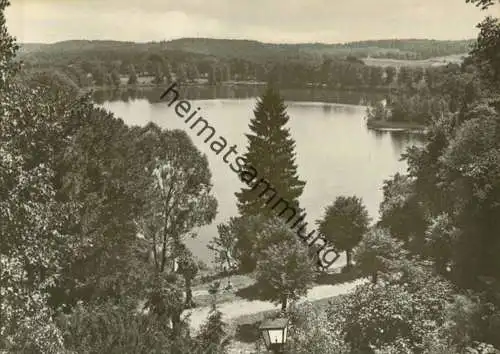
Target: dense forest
pixel 211 61
pixel 94 215
pixel 423 94
pixel 258 51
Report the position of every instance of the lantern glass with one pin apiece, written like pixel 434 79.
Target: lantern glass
pixel 274 332
pixel 276 335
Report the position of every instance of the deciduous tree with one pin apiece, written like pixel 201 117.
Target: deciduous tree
pixel 132 79
pixel 224 247
pixel 344 224
pixel 285 270
pixel 377 253
pixel 179 194
pixel 188 268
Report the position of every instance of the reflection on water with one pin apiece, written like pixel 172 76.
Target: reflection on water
pixel 400 140
pixel 237 92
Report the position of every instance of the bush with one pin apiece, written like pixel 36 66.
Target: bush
pixel 212 338
pixel 311 332
pixel 400 312
pixel 377 252
pixel 462 318
pixel 109 328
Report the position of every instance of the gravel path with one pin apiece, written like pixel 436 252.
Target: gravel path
pixel 234 309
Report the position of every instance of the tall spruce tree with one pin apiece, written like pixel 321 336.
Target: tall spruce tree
pixel 271 152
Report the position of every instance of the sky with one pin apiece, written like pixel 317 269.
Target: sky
pixel 273 21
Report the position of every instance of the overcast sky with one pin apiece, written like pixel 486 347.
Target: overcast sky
pixel 328 21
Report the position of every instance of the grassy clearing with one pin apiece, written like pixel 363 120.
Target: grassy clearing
pixel 457 58
pixel 202 298
pixel 245 329
pixel 244 287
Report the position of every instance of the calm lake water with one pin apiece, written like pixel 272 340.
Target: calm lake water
pixel 336 153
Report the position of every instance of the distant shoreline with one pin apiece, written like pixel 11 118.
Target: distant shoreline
pixel 234 83
pixel 382 125
pixel 154 86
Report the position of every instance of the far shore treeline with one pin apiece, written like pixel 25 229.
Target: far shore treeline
pixel 111 64
pixel 319 69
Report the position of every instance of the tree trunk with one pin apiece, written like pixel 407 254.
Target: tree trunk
pixel 283 303
pixel 176 323
pixel 374 277
pixel 189 294
pixel 348 258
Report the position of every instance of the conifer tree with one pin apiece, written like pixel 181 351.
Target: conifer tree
pixel 270 156
pixel 212 338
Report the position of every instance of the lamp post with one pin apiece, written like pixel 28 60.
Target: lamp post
pixel 275 333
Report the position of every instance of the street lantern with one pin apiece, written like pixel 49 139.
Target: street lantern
pixel 275 333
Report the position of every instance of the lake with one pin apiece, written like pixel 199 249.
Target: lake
pixel 336 153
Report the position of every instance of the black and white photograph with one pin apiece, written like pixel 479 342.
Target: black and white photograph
pixel 249 177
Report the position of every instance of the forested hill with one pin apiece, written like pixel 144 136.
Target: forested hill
pixel 72 45
pixel 395 49
pixel 256 51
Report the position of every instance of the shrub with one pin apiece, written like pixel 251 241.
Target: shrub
pixel 377 252
pixel 400 312
pixel 109 328
pixel 311 332
pixel 462 318
pixel 212 338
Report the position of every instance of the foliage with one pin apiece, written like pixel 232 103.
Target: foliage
pixel 424 95
pixel 310 332
pixel 296 65
pixel 77 184
pixel 285 270
pixel 188 268
pixel 114 328
pixel 344 223
pixel 400 212
pixel 377 253
pixel 433 343
pixel 62 176
pixel 8 49
pixel 463 316
pixel 30 218
pixel 270 158
pixel 404 309
pixel 164 295
pixel 178 193
pixel 54 80
pixel 212 338
pixel 484 4
pixel 468 169
pixel 74 180
pixel 243 231
pixel 440 238
pixel 271 154
pixel 33 245
pixel 377 112
pixel 132 79
pixel 224 246
pixel 93 173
